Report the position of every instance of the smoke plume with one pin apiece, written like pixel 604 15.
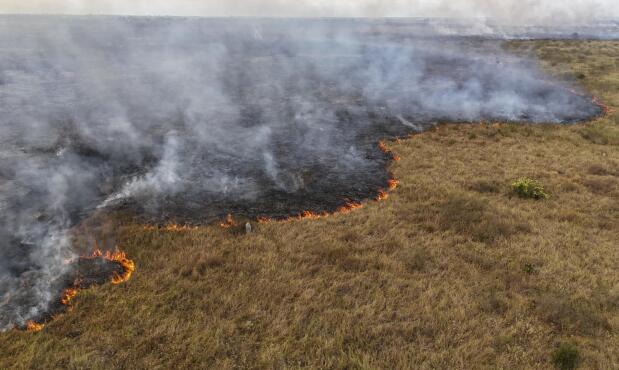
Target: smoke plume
pixel 186 120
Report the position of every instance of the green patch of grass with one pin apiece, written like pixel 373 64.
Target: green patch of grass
pixel 529 188
pixel 566 357
pixel 529 269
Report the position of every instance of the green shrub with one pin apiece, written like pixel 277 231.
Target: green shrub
pixel 529 269
pixel 528 188
pixel 566 357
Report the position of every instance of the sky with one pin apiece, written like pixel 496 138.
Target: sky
pixel 507 10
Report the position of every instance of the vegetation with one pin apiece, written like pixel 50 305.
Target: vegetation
pixel 525 187
pixel 450 271
pixel 566 357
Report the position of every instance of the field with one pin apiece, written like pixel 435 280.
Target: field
pixel 451 271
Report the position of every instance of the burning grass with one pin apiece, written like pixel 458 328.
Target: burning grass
pixel 87 271
pixel 449 272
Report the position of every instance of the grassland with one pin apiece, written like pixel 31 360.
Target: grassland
pixel 451 271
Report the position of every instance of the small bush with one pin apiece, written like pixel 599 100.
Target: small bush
pixel 566 357
pixel 528 188
pixel 529 269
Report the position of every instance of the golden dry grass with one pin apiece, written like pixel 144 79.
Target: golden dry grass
pixel 452 271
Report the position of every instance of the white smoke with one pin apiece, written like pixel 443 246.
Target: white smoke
pixel 193 117
pixel 512 11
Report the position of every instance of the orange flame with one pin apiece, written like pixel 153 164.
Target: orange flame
pixel 349 207
pixel 32 326
pixel 229 222
pixel 120 258
pixel 392 184
pixel 382 195
pixel 173 228
pixel 605 108
pixel 68 295
pixel 383 148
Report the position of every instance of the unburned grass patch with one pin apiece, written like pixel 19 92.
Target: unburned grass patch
pixel 580 315
pixel 566 357
pixel 475 218
pixel 416 260
pixel 600 186
pixel 494 302
pixel 486 186
pixel 601 134
pixel 600 170
pixel 340 257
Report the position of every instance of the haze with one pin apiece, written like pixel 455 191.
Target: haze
pixel 514 11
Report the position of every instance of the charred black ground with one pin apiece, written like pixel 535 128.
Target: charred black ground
pixel 84 273
pixel 186 122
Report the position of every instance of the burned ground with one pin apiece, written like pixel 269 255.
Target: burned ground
pixel 173 124
pixel 373 287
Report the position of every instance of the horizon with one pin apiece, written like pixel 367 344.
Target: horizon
pixel 510 11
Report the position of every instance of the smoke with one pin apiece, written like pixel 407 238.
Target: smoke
pixel 186 120
pixel 512 11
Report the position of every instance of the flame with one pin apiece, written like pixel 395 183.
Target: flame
pixel 68 295
pixel 173 228
pixel 383 148
pixel 120 258
pixel 605 108
pixel 309 215
pixel 32 326
pixel 382 195
pixel 392 184
pixel 349 207
pixel 229 222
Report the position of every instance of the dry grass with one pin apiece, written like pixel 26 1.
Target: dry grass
pixel 451 271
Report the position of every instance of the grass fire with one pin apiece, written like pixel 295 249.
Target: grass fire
pixel 315 192
pixel 96 269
